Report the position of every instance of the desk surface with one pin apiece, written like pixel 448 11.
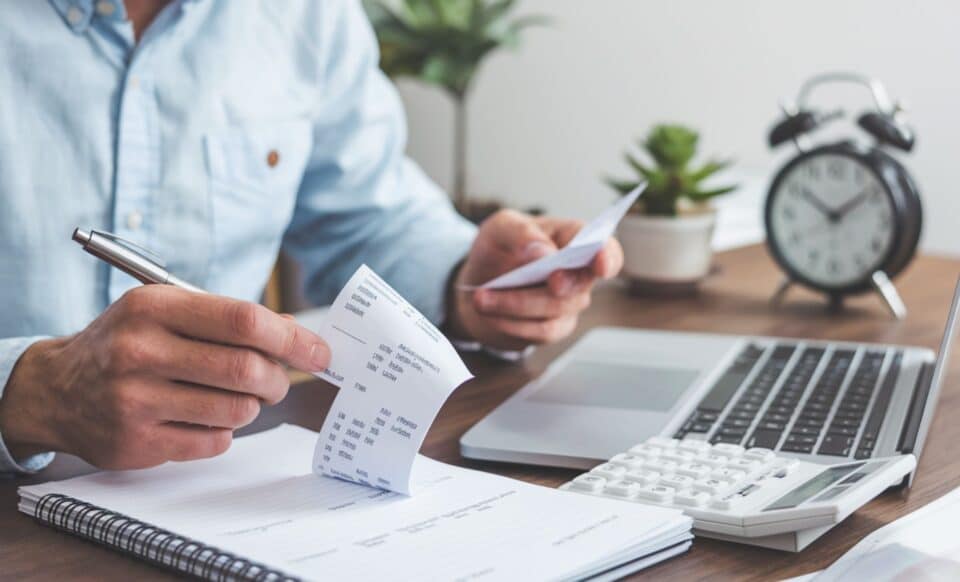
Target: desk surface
pixel 735 300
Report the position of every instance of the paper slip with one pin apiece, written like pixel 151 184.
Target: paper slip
pixel 577 254
pixel 395 370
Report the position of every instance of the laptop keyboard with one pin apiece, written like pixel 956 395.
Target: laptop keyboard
pixel 797 413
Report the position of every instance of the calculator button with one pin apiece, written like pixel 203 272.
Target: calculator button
pixel 656 493
pixel 678 456
pixel 759 454
pixel 677 481
pixel 644 476
pixel 695 470
pixel 645 450
pixel 663 442
pixel 726 503
pixel 691 498
pixel 665 467
pixel 728 449
pixel 746 465
pixel 715 460
pixel 588 483
pixel 628 460
pixel 694 446
pixel 728 475
pixel 626 488
pixel 609 471
pixel 783 467
pixel 710 486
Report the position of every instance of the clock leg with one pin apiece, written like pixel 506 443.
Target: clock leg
pixel 780 294
pixel 888 292
pixel 836 303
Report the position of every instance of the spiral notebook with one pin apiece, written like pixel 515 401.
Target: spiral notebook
pixel 258 512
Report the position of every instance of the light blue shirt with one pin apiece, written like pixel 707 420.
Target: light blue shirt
pixel 232 128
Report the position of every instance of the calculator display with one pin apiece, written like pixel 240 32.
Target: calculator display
pixel 813 487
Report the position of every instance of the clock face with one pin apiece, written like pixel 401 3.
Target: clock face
pixel 831 220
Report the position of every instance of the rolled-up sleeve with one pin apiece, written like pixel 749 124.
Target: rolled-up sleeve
pixel 10 351
pixel 361 199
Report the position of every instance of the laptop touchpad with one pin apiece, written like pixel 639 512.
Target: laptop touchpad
pixel 613 385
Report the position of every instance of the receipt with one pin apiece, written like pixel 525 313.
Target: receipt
pixel 578 253
pixel 394 370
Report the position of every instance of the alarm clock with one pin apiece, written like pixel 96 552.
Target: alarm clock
pixel 844 218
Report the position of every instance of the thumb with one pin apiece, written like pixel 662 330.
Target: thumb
pixel 521 237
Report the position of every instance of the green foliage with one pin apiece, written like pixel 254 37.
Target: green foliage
pixel 672 149
pixel 443 42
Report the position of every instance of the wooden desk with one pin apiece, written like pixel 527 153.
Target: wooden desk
pixel 733 301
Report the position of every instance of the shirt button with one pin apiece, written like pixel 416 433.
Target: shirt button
pixel 105 8
pixel 74 15
pixel 273 158
pixel 133 82
pixel 134 220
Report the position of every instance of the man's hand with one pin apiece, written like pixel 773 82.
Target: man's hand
pixel 516 318
pixel 162 375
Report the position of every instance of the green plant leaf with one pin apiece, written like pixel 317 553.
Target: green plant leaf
pixel 704 195
pixel 638 166
pixel 443 42
pixel 708 169
pixel 624 187
pixel 671 147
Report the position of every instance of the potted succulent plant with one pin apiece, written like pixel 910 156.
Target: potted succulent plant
pixel 666 236
pixel 443 43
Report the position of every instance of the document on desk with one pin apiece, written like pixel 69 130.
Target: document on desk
pixel 920 546
pixel 258 509
pixel 394 370
pixel 578 253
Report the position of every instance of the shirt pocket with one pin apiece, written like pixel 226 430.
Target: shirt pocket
pixel 254 176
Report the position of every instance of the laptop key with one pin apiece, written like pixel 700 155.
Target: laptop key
pixel 836 445
pixel 766 439
pixel 724 388
pixel 842 431
pixel 797 447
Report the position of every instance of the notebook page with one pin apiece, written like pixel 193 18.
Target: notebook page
pixel 394 370
pixel 257 502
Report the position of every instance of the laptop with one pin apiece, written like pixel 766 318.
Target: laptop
pixel 826 402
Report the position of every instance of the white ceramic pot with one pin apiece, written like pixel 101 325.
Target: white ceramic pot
pixel 666 249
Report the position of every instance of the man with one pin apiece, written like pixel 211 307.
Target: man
pixel 213 132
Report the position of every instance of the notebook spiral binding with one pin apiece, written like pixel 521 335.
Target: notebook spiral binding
pixel 158 546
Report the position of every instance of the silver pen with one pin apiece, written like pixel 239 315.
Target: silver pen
pixel 133 260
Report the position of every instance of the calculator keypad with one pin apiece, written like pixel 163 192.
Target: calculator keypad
pixel 687 474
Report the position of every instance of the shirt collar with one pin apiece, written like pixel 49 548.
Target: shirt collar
pixel 77 14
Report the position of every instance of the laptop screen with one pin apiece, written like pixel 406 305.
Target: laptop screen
pixel 943 357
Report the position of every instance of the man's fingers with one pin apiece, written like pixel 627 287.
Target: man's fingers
pixel 520 236
pixel 185 442
pixel 233 322
pixel 565 284
pixel 241 370
pixel 535 331
pixel 529 303
pixel 562 231
pixel 201 405
pixel 609 260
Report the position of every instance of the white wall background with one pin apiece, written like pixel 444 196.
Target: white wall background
pixel 549 120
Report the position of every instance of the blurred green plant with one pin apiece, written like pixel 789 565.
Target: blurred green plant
pixel 670 178
pixel 443 43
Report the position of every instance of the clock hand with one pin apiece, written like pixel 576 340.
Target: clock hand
pixel 819 205
pixel 849 205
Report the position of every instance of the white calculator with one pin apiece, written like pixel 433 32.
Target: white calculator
pixel 750 496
